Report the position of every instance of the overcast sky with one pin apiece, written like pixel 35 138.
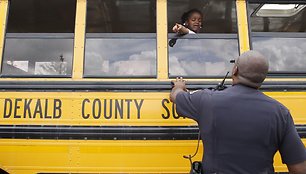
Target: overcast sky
pixel 122 57
pixel 138 57
pixel 202 57
pixel 128 57
pixel 284 54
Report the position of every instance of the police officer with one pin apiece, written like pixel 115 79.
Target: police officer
pixel 241 127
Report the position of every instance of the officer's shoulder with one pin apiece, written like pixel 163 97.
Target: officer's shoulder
pixel 277 104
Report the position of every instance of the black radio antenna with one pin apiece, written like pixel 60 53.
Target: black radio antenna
pixel 221 86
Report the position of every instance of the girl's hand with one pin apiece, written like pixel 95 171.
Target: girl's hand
pixel 180 29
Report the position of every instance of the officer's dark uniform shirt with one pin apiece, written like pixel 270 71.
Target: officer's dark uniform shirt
pixel 241 129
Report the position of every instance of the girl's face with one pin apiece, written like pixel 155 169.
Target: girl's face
pixel 194 22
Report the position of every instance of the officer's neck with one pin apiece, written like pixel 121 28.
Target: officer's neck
pixel 243 81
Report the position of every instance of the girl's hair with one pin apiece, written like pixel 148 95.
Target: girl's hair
pixel 187 14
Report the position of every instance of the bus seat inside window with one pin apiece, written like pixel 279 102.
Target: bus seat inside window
pixel 39 38
pixel 211 42
pixel 120 38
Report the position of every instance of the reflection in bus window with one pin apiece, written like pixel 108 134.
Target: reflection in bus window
pixel 120 38
pixel 206 54
pixel 280 34
pixel 39 38
pixel 120 57
pixel 196 57
pixel 285 54
pixel 38 56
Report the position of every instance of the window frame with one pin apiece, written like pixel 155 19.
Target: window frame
pixel 126 36
pixel 208 35
pixel 8 35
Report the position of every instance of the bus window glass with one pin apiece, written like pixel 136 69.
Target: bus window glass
pixel 39 38
pixel 120 38
pixel 279 32
pixel 206 50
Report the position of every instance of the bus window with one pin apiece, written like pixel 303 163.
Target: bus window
pixel 279 32
pixel 120 38
pixel 206 53
pixel 39 38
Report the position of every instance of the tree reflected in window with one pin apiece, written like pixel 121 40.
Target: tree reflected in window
pixel 39 38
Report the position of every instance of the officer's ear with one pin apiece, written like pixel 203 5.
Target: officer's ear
pixel 235 70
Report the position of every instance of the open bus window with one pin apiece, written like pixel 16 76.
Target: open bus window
pixel 39 38
pixel 207 51
pixel 120 38
pixel 279 32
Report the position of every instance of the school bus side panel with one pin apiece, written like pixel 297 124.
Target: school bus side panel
pixel 104 109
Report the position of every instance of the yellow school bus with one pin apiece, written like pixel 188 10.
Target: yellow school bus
pixel 84 84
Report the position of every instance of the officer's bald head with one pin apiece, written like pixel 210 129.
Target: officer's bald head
pixel 250 69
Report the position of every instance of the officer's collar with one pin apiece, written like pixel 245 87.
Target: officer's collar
pixel 241 88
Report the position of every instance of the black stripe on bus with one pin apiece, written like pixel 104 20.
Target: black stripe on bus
pixel 132 86
pixel 107 132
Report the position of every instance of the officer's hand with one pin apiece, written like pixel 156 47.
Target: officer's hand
pixel 179 83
